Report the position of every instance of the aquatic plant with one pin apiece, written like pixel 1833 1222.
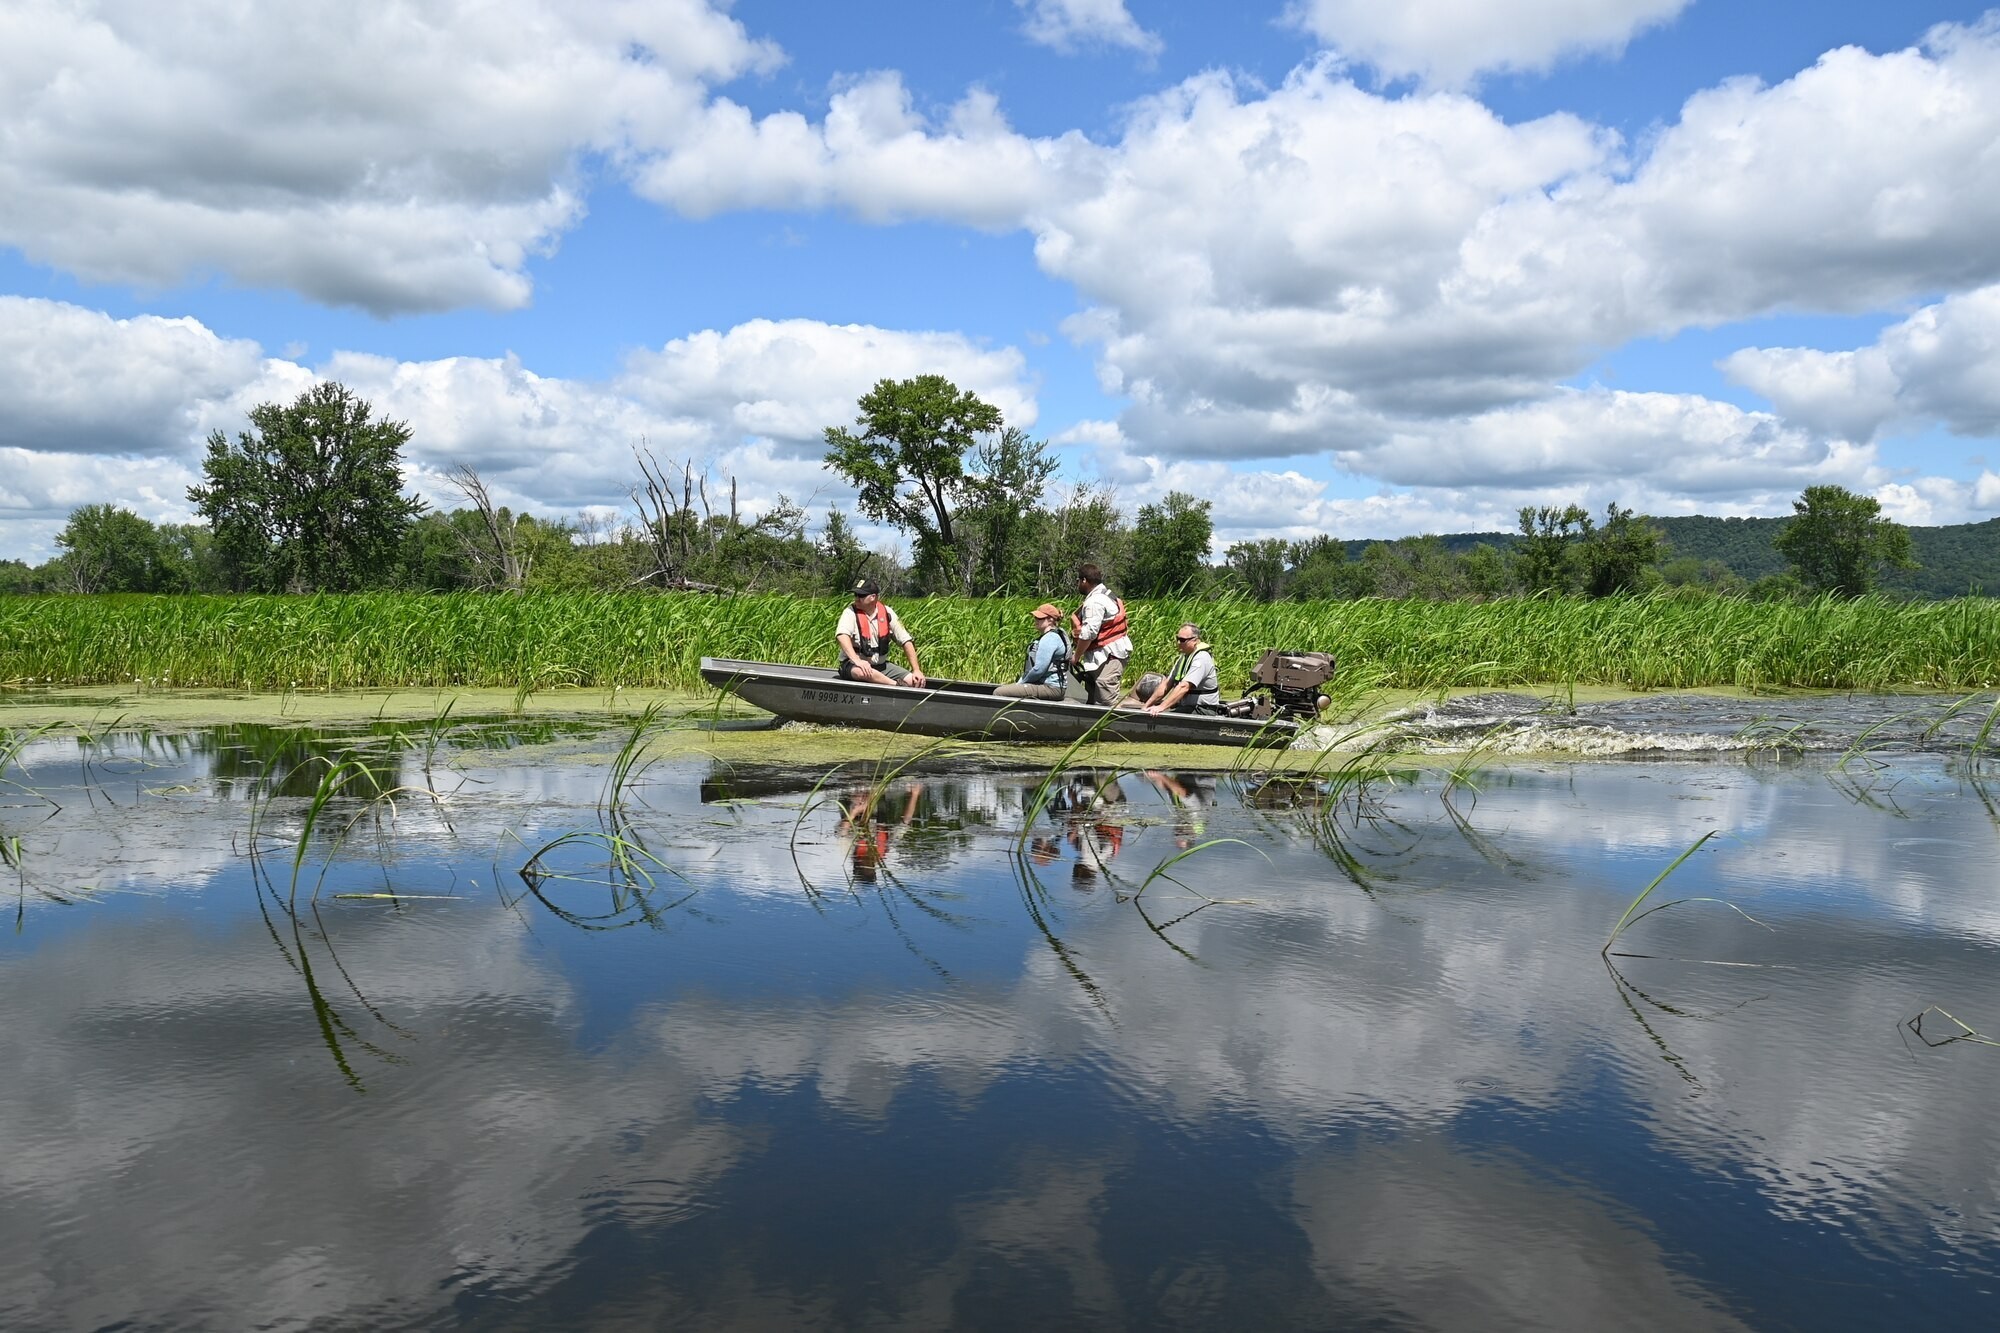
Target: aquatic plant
pixel 530 642
pixel 1633 915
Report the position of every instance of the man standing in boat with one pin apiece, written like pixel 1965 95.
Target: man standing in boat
pixel 1045 674
pixel 1102 646
pixel 864 633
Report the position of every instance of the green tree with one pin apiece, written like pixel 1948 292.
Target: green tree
pixel 1618 555
pixel 1003 493
pixel 1320 571
pixel 311 499
pixel 1085 527
pixel 843 558
pixel 1838 541
pixel 1415 567
pixel 1260 566
pixel 1170 543
pixel 1547 558
pixel 908 463
pixel 1485 572
pixel 108 549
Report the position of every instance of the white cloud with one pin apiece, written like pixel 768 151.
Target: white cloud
pixel 1278 273
pixel 1451 41
pixel 1069 24
pixel 95 409
pixel 873 153
pixel 406 156
pixel 1940 364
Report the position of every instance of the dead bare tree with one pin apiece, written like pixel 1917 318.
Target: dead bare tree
pixel 667 522
pixel 495 551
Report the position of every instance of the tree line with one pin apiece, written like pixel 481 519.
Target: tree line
pixel 310 498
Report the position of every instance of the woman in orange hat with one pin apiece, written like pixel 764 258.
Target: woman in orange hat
pixel 1045 672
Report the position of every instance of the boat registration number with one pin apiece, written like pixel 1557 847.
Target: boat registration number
pixel 829 697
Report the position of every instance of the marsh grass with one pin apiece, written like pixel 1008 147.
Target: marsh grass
pixel 531 642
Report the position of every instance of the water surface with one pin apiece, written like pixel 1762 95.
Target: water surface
pixel 963 1045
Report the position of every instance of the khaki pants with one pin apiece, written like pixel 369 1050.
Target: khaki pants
pixel 1101 686
pixel 1021 691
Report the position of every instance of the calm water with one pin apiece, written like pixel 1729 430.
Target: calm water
pixel 856 1054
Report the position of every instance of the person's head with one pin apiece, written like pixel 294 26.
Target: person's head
pixel 866 593
pixel 1187 638
pixel 1088 576
pixel 1046 616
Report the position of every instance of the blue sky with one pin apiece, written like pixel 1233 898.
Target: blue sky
pixel 1332 267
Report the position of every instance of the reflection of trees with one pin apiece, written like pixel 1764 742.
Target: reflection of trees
pixel 260 759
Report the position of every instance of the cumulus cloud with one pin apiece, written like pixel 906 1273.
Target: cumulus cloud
pixel 874 154
pixel 98 409
pixel 82 382
pixel 1069 24
pixel 1269 273
pixel 1451 41
pixel 1940 364
pixel 394 157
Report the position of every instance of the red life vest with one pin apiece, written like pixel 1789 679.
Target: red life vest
pixel 1112 627
pixel 872 633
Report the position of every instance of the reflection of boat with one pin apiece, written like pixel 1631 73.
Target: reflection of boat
pixel 969 709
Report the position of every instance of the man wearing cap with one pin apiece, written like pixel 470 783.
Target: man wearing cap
pixel 864 633
pixel 1102 645
pixel 1045 674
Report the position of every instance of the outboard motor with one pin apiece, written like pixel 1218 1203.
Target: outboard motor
pixel 1294 683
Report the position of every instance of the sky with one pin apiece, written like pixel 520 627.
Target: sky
pixel 1334 266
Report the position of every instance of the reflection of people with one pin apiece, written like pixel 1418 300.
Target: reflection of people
pixel 870 833
pixel 1045 673
pixel 864 632
pixel 1190 802
pixel 1191 685
pixel 1095 828
pixel 1102 645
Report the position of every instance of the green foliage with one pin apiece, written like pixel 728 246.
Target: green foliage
pixel 1548 557
pixel 1260 567
pixel 311 499
pixel 1839 540
pixel 1652 641
pixel 997 530
pixel 107 549
pixel 1620 555
pixel 1085 527
pixel 1419 567
pixel 1170 543
pixel 908 463
pixel 1321 571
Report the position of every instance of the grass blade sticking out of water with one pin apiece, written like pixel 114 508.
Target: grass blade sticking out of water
pixel 1633 915
pixel 629 878
pixel 1965 1030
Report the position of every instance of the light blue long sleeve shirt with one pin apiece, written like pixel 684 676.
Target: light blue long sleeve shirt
pixel 1041 661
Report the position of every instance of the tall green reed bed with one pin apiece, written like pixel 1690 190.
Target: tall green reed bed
pixel 535 641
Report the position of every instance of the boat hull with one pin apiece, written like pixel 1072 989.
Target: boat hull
pixel 968 709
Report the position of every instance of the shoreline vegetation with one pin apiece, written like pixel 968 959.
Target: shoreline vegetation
pixel 1663 640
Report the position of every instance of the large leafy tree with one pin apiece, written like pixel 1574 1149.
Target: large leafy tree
pixel 1838 541
pixel 1617 555
pixel 107 549
pixel 1170 543
pixel 1548 558
pixel 908 461
pixel 311 498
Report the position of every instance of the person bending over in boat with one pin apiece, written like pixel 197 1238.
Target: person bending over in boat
pixel 864 633
pixel 1102 645
pixel 1045 674
pixel 1190 686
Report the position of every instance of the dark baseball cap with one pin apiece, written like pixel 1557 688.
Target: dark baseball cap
pixel 866 588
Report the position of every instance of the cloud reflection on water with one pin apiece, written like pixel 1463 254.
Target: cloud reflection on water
pixel 1327 1063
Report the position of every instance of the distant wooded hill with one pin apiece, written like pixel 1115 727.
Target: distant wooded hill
pixel 1953 560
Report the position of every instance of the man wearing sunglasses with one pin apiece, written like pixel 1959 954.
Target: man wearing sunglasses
pixel 1191 686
